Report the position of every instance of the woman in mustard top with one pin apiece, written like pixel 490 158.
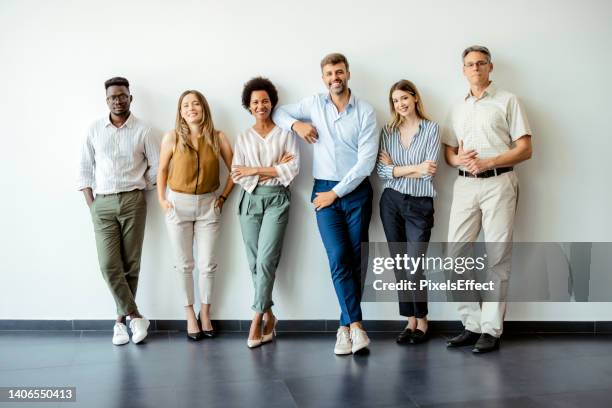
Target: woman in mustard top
pixel 189 166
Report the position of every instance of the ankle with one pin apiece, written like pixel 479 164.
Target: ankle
pixel 356 325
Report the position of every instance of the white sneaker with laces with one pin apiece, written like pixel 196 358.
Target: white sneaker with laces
pixel 343 341
pixel 139 326
pixel 360 339
pixel 120 334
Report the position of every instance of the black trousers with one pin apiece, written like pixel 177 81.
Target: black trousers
pixel 407 222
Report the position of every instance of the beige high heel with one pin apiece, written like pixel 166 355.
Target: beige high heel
pixel 269 337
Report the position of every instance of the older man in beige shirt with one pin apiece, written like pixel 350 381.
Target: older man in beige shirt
pixel 487 135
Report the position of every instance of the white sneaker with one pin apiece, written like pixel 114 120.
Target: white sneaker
pixel 360 339
pixel 120 334
pixel 139 328
pixel 343 341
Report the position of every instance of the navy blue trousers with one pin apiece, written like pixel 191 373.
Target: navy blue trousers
pixel 343 227
pixel 407 222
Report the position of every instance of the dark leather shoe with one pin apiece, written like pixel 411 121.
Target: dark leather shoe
pixel 205 333
pixel 404 336
pixel 486 343
pixel 419 336
pixel 466 338
pixel 195 336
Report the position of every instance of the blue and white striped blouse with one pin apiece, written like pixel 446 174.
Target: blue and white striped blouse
pixel 425 145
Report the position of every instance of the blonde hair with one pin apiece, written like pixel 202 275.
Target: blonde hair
pixel 206 127
pixel 406 86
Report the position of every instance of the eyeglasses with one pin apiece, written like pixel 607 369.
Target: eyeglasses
pixel 478 64
pixel 120 98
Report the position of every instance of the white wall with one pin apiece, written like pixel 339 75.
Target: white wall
pixel 54 57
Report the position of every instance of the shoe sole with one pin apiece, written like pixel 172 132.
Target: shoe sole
pixel 363 347
pixel 477 351
pixel 122 343
pixel 342 353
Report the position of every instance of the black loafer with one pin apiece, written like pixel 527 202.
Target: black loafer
pixel 466 338
pixel 419 336
pixel 486 343
pixel 404 336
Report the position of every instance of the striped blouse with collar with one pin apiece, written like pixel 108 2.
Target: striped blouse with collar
pixel 425 145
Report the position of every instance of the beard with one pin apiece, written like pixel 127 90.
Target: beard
pixel 337 88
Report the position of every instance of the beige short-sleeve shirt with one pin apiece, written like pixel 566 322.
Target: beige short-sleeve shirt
pixel 489 124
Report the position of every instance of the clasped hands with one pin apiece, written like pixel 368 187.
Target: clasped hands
pixel 470 161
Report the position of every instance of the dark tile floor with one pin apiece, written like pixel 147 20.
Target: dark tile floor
pixel 301 370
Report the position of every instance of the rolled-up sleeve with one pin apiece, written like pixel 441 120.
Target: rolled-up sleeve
pixel 151 148
pixel 87 164
pixel 432 151
pixel 385 171
pixel 285 116
pixel 367 150
pixel 247 182
pixel 288 171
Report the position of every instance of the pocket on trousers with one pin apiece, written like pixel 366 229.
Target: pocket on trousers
pixel 216 210
pixel 170 214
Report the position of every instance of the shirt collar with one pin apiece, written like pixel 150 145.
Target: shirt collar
pixel 129 123
pixel 489 91
pixel 351 101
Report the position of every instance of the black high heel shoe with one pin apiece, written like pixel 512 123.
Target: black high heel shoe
pixel 197 335
pixel 205 333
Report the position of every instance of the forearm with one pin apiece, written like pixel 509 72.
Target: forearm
pixel 451 156
pixel 406 171
pixel 510 158
pixel 88 194
pixel 266 171
pixel 162 181
pixel 229 186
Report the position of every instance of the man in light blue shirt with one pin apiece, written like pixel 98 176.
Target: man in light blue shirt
pixel 343 131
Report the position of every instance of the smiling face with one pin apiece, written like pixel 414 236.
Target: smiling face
pixel 191 109
pixel 335 77
pixel 477 68
pixel 260 105
pixel 118 99
pixel 404 103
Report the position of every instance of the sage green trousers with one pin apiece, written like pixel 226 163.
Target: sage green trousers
pixel 263 215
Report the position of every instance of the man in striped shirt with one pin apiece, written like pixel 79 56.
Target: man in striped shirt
pixel 487 135
pixel 119 161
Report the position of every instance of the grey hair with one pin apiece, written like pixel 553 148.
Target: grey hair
pixel 477 48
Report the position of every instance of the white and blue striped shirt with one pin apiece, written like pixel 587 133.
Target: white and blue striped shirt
pixel 114 160
pixel 425 145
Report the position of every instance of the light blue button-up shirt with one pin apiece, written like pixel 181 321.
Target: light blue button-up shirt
pixel 348 142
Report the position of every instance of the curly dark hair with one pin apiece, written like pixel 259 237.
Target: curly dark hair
pixel 259 84
pixel 116 81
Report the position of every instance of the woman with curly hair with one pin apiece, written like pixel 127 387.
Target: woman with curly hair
pixel 266 160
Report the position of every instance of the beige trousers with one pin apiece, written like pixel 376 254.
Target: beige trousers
pixel 488 204
pixel 194 220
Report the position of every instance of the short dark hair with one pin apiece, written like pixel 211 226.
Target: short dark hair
pixel 119 81
pixel 334 58
pixel 259 84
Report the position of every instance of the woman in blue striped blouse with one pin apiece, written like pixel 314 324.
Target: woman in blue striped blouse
pixel 407 162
